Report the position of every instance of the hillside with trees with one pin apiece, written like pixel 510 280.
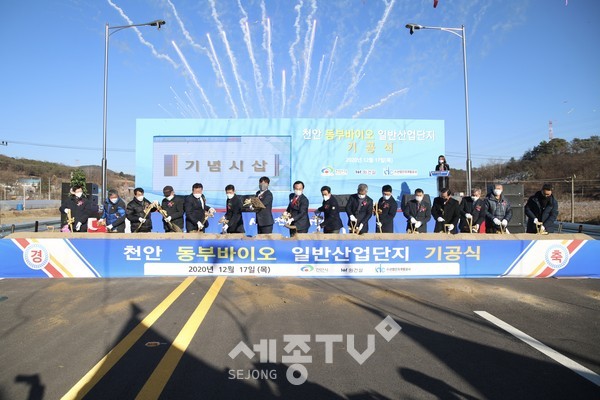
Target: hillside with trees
pixel 52 175
pixel 566 165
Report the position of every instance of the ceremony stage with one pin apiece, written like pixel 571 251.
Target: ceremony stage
pixel 315 255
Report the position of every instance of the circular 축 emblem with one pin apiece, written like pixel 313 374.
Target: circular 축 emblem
pixel 36 256
pixel 557 256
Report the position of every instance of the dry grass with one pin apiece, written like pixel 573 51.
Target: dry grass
pixel 18 217
pixel 586 211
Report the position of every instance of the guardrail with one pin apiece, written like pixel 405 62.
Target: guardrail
pixel 36 226
pixel 568 227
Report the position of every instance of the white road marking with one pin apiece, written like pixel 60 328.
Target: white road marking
pixel 541 347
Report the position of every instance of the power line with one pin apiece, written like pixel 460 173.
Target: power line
pixel 6 142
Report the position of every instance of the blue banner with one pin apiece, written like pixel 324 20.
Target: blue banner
pixel 111 256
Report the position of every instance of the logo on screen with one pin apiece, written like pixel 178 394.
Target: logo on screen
pixel 170 164
pixel 327 171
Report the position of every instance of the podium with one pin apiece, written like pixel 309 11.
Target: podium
pixel 439 173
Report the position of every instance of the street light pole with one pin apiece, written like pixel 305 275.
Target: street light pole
pixel 107 33
pixel 463 36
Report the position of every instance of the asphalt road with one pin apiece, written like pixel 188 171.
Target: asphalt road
pixel 173 338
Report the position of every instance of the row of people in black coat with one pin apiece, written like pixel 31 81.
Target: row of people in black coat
pixel 468 215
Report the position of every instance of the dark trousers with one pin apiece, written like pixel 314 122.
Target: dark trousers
pixel 331 231
pixel 265 229
pixel 294 231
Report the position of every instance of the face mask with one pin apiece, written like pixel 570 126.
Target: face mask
pixel 170 197
pixel 78 194
pixel 197 195
pixel 475 198
pixel 139 198
pixel 441 161
pixel 326 198
pixel 297 192
pixel 387 197
pixel 419 198
pixel 263 186
pixel 362 196
pixel 497 192
pixel 230 196
pixel 114 201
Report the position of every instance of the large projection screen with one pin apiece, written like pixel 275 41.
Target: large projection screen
pixel 340 153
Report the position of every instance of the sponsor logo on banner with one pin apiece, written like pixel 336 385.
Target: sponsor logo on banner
pixel 327 171
pixel 557 256
pixel 365 172
pixel 36 256
pixel 400 172
pixel 307 268
pixel 330 171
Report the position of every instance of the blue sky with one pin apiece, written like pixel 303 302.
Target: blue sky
pixel 529 61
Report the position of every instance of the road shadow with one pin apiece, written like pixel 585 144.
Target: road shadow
pixel 124 376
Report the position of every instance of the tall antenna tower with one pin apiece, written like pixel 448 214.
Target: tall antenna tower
pixel 550 130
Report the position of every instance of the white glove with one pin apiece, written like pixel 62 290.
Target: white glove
pixel 497 221
pixel 251 207
pixel 225 227
pixel 290 220
pixel 535 221
pixel 212 210
pixel 440 219
pixel 360 227
pixel 109 227
pixel 542 228
pixel 67 210
pixel 475 228
pixel 379 224
pixel 142 220
pixel 418 224
pixel 353 218
pixel 468 216
pixel 200 226
pixel 451 227
pixel 413 220
pixel 168 219
pixel 504 222
pixel 78 226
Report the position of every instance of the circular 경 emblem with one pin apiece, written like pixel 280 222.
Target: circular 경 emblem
pixel 36 256
pixel 557 256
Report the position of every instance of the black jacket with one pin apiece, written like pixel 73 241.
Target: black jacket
pixel 419 211
pixel 534 208
pixel 496 208
pixel 81 209
pixel 264 216
pixel 362 209
pixel 299 211
pixel 389 209
pixel 476 209
pixel 135 211
pixel 233 215
pixel 174 209
pixel 331 215
pixel 194 212
pixel 449 211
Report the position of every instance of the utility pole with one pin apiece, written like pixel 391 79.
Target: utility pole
pixel 573 198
